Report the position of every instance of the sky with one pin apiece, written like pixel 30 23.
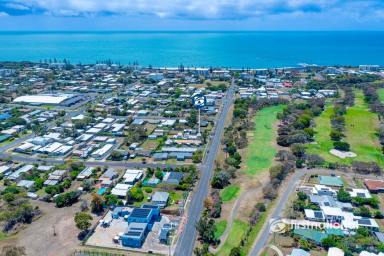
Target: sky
pixel 22 15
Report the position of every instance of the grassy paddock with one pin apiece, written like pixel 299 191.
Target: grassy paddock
pixel 261 151
pixel 229 193
pixel 236 234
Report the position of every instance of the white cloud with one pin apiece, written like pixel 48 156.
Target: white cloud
pixel 3 14
pixel 195 9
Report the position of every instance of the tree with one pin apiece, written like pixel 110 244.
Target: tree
pixel 341 145
pixel 220 180
pixel 197 156
pixel 135 194
pixel 235 251
pixel 206 229
pixel 83 220
pixel 97 204
pixel 343 196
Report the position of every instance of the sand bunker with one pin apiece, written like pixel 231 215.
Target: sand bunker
pixel 342 154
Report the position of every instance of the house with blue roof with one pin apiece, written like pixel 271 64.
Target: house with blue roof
pixel 135 235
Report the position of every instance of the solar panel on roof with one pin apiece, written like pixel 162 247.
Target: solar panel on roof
pixel 133 233
pixel 360 194
pixel 136 228
pixel 140 212
pixel 150 206
pixel 327 204
pixel 318 214
pixel 364 221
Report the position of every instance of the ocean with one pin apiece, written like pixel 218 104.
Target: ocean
pixel 203 49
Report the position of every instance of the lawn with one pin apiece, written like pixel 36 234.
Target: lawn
pixel 234 237
pixel 220 228
pixel 261 151
pixel 361 125
pixel 381 94
pixel 229 193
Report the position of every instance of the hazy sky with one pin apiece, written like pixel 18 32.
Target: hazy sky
pixel 191 15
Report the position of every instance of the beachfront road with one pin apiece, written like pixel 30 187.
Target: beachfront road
pixel 187 238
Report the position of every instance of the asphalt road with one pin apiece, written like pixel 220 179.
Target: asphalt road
pixel 121 164
pixel 15 142
pixel 187 238
pixel 288 189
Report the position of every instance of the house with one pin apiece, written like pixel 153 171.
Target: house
pixel 334 251
pixel 120 212
pixel 310 234
pixel 326 200
pixel 331 181
pixel 374 186
pixel 173 178
pixel 358 192
pixel 365 253
pixel 160 199
pixel 102 152
pixel 132 176
pixel 17 174
pixel 160 156
pixel 120 190
pixel 5 169
pixel 85 174
pixel 332 214
pixel 314 215
pixel 55 177
pixel 135 235
pixel 109 174
pixel 164 233
pixel 322 190
pixel 299 252
pixel 26 184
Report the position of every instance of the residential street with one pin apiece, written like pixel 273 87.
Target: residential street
pixel 187 238
pixel 288 188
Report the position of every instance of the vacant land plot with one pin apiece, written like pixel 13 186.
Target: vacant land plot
pixel 361 125
pixel 229 193
pixel 237 232
pixel 261 150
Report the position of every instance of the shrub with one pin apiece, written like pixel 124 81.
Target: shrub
pixel 341 145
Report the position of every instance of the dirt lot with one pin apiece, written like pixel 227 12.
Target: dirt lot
pixel 38 238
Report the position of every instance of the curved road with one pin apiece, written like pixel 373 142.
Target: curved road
pixel 187 238
pixel 289 187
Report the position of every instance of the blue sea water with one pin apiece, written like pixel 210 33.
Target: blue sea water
pixel 204 49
